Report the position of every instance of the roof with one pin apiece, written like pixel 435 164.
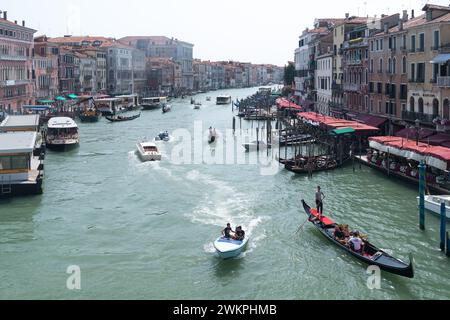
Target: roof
pixel 61 122
pixel 15 25
pixel 17 142
pixel 436 7
pixel 332 123
pixel 16 122
pixel 158 40
pixel 284 103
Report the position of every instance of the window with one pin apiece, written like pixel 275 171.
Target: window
pixel 404 65
pixel 394 66
pixel 435 72
pixel 381 66
pixel 5 163
pixel 421 72
pixel 379 106
pixel 422 42
pixel 412 75
pixel 19 162
pixel 413 43
pixel 371 65
pixel 371 106
pixel 371 45
pixel 404 41
pixel 381 44
pixel 436 40
pixel 389 65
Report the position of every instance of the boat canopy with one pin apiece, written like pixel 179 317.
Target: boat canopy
pixel 441 58
pixel 284 103
pixel 61 123
pixel 434 156
pixel 332 123
pixel 60 98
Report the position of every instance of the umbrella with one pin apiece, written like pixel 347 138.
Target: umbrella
pixel 59 98
pixel 72 96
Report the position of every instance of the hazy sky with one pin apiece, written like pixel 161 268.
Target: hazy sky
pixel 260 31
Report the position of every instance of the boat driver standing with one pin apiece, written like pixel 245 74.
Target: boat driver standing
pixel 319 202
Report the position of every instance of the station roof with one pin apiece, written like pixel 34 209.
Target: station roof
pixel 20 122
pixel 17 142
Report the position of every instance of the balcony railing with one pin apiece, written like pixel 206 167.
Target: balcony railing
pixel 422 117
pixel 445 48
pixel 443 82
pixel 10 83
pixel 12 58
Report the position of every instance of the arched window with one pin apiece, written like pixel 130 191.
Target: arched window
pixel 381 66
pixel 394 66
pixel 420 105
pixel 404 65
pixel 435 107
pixel 412 103
pixel 389 65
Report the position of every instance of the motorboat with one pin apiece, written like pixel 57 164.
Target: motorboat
pixel 148 151
pixel 153 103
pixel 90 115
pixel 62 134
pixel 223 100
pixel 208 98
pixel 197 105
pixel 256 145
pixel 433 204
pixel 228 248
pixel 166 108
pixel 163 136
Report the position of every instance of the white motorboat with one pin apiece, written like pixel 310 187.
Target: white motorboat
pixel 208 98
pixel 154 103
pixel 166 108
pixel 223 100
pixel 255 145
pixel 148 151
pixel 197 105
pixel 433 204
pixel 62 134
pixel 229 248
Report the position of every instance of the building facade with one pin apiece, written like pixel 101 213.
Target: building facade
pixel 45 64
pixel 323 79
pixel 16 65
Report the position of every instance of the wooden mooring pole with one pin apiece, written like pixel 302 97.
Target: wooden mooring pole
pixel 443 226
pixel 422 170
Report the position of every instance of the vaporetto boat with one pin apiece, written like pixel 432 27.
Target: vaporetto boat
pixel 62 134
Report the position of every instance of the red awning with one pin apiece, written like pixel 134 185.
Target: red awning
pixel 437 139
pixel 410 133
pixel 284 103
pixel 373 121
pixel 335 123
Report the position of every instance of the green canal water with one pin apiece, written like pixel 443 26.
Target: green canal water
pixel 145 230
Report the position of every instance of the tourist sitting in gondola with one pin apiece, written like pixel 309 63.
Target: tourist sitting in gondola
pixel 356 243
pixel 339 234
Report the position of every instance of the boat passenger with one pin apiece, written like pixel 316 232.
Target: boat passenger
pixel 355 242
pixel 226 233
pixel 339 233
pixel 240 234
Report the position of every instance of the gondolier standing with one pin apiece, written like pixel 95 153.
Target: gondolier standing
pixel 319 202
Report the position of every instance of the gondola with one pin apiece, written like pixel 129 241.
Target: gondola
pixel 318 164
pixel 122 118
pixel 372 255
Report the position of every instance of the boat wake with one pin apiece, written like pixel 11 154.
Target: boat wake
pixel 223 204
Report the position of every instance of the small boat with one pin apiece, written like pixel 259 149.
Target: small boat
pixel 256 145
pixel 223 100
pixel 229 248
pixel 163 136
pixel 166 108
pixel 90 115
pixel 208 98
pixel 153 103
pixel 433 204
pixel 371 255
pixel 197 106
pixel 148 151
pixel 122 118
pixel 313 164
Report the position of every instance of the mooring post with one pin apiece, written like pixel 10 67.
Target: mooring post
pixel 448 245
pixel 422 169
pixel 234 125
pixel 257 139
pixel 443 226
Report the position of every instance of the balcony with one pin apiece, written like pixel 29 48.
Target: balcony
pixel 13 58
pixel 352 87
pixel 10 83
pixel 443 82
pixel 422 117
pixel 445 48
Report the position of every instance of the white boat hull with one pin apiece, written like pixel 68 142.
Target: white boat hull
pixel 433 204
pixel 227 248
pixel 148 156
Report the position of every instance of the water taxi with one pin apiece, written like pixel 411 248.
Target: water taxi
pixel 229 248
pixel 153 103
pixel 223 100
pixel 433 204
pixel 148 151
pixel 62 134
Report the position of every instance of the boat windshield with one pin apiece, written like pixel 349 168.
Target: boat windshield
pixel 150 149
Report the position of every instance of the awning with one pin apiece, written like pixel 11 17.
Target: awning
pixel 410 133
pixel 370 120
pixel 59 98
pixel 72 96
pixel 441 58
pixel 342 131
pixel 46 101
pixel 437 140
pixel 37 108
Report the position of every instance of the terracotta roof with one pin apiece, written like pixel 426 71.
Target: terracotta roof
pixel 79 39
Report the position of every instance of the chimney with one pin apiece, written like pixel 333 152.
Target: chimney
pixel 15 21
pixel 405 15
pixel 5 15
pixel 412 14
pixel 23 23
pixel 347 15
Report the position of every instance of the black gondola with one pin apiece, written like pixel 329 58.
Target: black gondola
pixel 371 254
pixel 122 118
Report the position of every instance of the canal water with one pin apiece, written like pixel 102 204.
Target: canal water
pixel 145 230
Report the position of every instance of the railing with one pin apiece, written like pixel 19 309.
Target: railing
pixel 445 48
pixel 443 82
pixel 10 83
pixel 422 117
pixel 12 58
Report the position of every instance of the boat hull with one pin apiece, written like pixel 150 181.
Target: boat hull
pixel 62 146
pixel 228 248
pixel 434 207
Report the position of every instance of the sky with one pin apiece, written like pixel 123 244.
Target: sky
pixel 263 31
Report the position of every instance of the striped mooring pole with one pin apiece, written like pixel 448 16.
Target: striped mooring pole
pixel 422 170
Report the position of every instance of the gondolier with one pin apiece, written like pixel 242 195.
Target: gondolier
pixel 319 201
